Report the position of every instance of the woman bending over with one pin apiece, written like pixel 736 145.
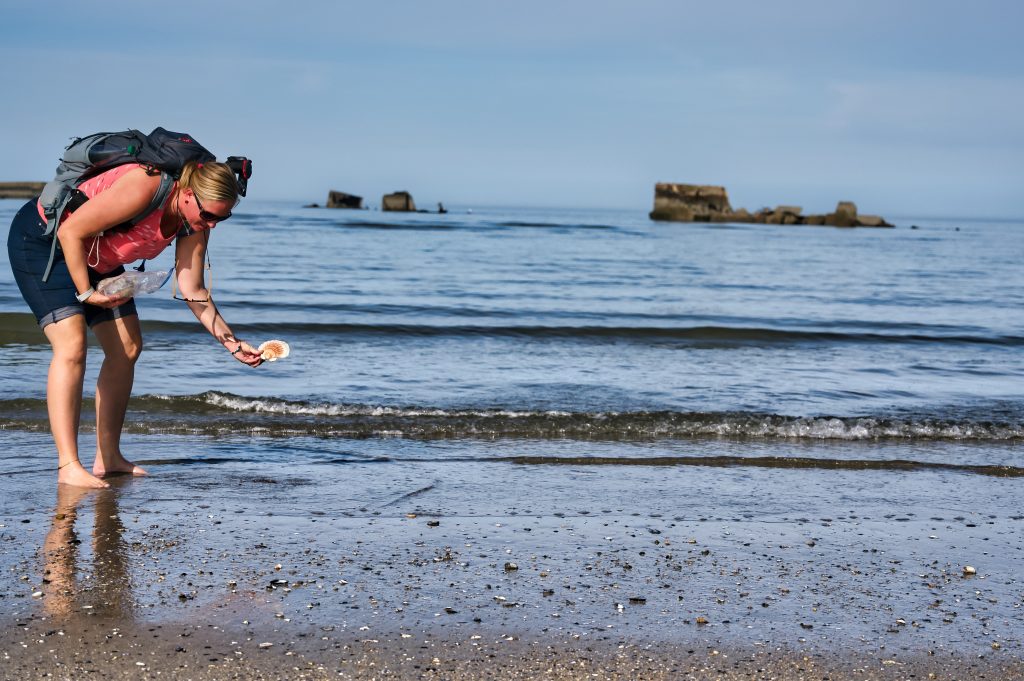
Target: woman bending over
pixel 95 243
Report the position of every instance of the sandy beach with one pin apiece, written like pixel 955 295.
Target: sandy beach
pixel 249 574
pixel 651 341
pixel 197 652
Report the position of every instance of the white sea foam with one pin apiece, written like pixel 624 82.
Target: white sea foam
pixel 418 421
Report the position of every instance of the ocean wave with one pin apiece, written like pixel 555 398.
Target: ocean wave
pixel 788 462
pixel 415 226
pixel 552 225
pixel 429 221
pixel 21 328
pixel 225 413
pixel 691 335
pixel 16 328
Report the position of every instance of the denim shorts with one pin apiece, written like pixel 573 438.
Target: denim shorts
pixel 54 299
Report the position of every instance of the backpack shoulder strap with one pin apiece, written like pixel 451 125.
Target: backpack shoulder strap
pixel 51 231
pixel 54 222
pixel 162 192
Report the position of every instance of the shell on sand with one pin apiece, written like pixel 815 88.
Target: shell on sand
pixel 274 350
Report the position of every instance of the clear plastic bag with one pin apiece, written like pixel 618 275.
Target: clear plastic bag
pixel 131 283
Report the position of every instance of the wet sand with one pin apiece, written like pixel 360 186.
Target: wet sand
pixel 101 650
pixel 250 574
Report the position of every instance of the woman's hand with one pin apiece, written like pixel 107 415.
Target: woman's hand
pixel 244 353
pixel 100 300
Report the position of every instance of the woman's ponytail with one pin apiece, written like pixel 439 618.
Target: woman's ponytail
pixel 211 181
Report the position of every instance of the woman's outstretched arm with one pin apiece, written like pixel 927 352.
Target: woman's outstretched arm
pixel 190 252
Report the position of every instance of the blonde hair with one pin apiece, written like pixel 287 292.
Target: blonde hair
pixel 212 181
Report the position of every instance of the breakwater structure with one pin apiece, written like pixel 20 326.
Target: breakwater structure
pixel 709 203
pixel 336 199
pixel 395 202
pixel 20 190
pixel 399 202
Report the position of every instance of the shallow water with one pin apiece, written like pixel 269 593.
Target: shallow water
pixel 582 326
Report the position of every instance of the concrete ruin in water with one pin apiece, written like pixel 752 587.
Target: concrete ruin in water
pixel 708 203
pixel 20 190
pixel 396 202
pixel 400 202
pixel 336 199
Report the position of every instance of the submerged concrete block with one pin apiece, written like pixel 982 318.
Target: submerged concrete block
pixel 400 202
pixel 872 221
pixel 710 203
pixel 336 199
pixel 690 203
pixel 20 190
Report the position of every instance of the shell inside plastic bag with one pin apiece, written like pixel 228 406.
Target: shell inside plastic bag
pixel 131 283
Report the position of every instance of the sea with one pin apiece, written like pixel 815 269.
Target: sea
pixel 677 414
pixel 530 338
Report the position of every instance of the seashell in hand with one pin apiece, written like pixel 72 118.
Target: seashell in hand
pixel 274 350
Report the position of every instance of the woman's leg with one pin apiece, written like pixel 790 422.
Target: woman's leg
pixel 121 339
pixel 64 397
pixel 60 553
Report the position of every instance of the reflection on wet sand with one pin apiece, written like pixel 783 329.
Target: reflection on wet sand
pixel 71 584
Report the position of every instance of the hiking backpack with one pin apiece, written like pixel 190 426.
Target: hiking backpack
pixel 89 156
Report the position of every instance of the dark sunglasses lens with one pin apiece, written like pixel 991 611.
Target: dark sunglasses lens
pixel 207 216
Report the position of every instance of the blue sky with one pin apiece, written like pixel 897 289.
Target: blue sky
pixel 908 107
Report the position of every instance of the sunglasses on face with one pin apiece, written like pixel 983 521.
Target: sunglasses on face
pixel 207 216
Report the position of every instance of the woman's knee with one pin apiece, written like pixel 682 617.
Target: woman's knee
pixel 133 348
pixel 72 354
pixel 121 339
pixel 126 348
pixel 67 338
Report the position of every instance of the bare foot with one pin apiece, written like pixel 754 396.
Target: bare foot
pixel 74 474
pixel 115 464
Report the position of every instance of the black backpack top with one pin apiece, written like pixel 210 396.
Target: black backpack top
pixel 89 156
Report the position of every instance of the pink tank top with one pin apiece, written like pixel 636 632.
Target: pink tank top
pixel 113 248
